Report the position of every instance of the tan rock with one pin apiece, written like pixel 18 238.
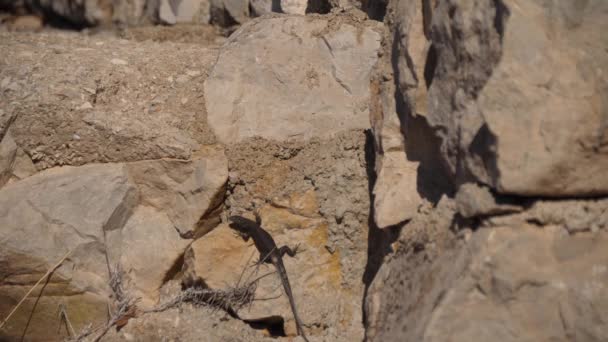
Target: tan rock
pixel 149 248
pixel 508 119
pixel 188 191
pixel 396 197
pixel 259 87
pixel 109 216
pixel 511 283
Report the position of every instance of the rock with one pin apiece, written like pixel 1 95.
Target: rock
pixel 261 7
pixel 473 200
pixel 126 215
pixel 149 248
pixel 14 163
pixel 166 14
pixel 193 11
pixel 396 197
pixel 188 192
pixel 87 13
pixel 26 23
pixel 294 6
pixel 509 283
pixel 407 173
pixel 259 87
pixel 221 259
pixel 134 115
pixel 227 13
pixel 507 119
pixel 42 218
pixel 573 216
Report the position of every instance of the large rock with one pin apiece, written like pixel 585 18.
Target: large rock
pixel 109 215
pixel 508 283
pixel 121 105
pixel 406 169
pixel 292 78
pixel 505 117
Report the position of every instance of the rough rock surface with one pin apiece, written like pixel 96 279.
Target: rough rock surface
pixel 106 214
pixel 505 117
pixel 129 101
pixel 510 283
pixel 495 258
pixel 292 78
pixel 263 172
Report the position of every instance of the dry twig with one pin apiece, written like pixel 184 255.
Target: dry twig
pixel 48 272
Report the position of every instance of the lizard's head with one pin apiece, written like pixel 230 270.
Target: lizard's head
pixel 243 225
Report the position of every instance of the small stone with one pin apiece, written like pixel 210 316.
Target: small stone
pixel 193 73
pixel 118 61
pixel 86 105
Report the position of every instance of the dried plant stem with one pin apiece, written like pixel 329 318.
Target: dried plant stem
pixel 50 270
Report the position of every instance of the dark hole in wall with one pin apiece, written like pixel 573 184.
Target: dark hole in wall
pixel 318 6
pixel 484 146
pixel 375 9
pixel 275 325
pixel 502 14
pixel 430 65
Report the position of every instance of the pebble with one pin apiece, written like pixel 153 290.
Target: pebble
pixel 118 61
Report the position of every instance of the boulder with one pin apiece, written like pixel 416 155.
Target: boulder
pixel 402 159
pixel 110 216
pixel 509 283
pixel 120 106
pixel 292 78
pixel 504 116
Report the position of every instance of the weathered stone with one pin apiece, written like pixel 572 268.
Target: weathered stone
pixel 509 283
pixel 260 87
pixel 506 118
pixel 193 11
pixel 149 248
pixel 14 163
pixel 45 216
pixel 229 12
pixel 109 216
pixel 297 7
pixel 189 192
pixel 399 187
pixel 396 197
pixel 166 13
pixel 473 200
pixel 572 215
pixel 261 7
pixel 133 100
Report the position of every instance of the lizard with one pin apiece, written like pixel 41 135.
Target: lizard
pixel 269 253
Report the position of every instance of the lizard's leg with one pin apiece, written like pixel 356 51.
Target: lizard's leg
pixel 291 252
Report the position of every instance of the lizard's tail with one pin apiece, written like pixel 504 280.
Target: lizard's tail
pixel 292 302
